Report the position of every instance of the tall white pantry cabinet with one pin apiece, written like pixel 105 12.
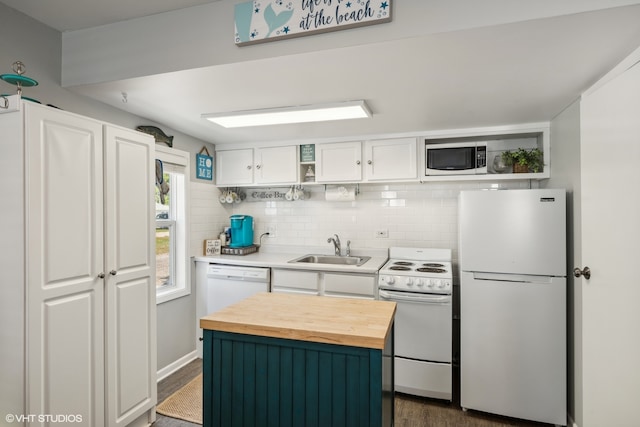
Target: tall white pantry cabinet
pixel 77 288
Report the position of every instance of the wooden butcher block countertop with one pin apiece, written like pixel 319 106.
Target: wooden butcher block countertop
pixel 342 321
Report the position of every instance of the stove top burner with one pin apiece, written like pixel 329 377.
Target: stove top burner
pixel 403 263
pixel 400 268
pixel 433 264
pixel 430 270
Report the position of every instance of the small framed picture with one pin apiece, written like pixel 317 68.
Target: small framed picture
pixel 212 247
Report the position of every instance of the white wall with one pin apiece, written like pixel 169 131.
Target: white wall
pixel 416 215
pixel 565 155
pixel 202 36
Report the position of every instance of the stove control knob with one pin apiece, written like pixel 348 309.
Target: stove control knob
pixel 420 283
pixel 439 284
pixel 389 279
pixel 409 281
pixel 430 283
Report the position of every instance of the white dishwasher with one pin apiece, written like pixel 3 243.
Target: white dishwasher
pixel 218 286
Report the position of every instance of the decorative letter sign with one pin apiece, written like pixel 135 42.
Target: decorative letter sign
pixel 204 165
pixel 263 20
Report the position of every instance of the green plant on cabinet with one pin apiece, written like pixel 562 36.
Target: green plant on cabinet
pixel 524 160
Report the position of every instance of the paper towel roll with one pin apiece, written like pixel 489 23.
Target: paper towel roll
pixel 340 194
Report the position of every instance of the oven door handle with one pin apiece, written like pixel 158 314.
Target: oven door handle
pixel 414 297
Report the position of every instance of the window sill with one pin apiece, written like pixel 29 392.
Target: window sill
pixel 171 293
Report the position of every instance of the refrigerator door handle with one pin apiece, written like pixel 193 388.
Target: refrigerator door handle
pixel 524 278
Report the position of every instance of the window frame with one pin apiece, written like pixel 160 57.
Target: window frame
pixel 179 261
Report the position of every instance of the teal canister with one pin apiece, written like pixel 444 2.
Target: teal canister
pixel 241 231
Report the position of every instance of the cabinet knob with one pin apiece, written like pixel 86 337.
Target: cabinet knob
pixel 249 167
pixel 101 276
pixel 113 272
pixel 369 162
pixel 257 166
pixel 357 162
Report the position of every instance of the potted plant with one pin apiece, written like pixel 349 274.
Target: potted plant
pixel 524 161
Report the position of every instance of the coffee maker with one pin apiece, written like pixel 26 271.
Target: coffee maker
pixel 241 231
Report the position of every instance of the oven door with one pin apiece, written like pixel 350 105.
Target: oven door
pixel 423 325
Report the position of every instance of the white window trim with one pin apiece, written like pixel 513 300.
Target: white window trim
pixel 179 158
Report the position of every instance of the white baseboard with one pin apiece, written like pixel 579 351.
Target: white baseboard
pixel 174 366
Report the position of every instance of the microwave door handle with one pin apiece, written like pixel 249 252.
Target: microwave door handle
pixel 415 298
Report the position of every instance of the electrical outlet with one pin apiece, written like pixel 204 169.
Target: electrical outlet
pixel 271 229
pixel 382 234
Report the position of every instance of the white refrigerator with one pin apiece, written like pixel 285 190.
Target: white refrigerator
pixel 512 257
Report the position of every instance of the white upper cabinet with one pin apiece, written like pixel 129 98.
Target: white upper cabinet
pixel 276 165
pixel 234 167
pixel 339 162
pixel 388 159
pixel 391 159
pixel 261 166
pixel 497 140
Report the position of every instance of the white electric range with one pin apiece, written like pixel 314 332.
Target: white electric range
pixel 420 281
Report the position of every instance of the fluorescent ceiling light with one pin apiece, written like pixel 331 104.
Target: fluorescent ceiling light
pixel 286 115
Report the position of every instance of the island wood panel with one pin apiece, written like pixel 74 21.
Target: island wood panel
pixel 350 322
pixel 262 381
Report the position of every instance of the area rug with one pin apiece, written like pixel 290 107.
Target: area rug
pixel 184 404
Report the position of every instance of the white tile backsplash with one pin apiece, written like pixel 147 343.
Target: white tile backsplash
pixel 415 215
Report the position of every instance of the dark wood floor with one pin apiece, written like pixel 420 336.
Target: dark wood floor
pixel 410 411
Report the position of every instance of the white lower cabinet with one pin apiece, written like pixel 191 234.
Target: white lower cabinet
pixel 295 281
pixel 77 299
pixel 348 285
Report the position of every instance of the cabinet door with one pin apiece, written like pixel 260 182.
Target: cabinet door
pixel 234 167
pixel 350 285
pixel 391 159
pixel 276 165
pixel 130 270
pixel 295 281
pixel 64 241
pixel 339 162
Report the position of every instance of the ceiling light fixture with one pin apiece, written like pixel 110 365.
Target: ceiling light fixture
pixel 287 115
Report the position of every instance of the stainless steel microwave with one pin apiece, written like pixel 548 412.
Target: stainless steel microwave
pixel 460 158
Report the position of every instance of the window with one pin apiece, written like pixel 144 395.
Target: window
pixel 172 174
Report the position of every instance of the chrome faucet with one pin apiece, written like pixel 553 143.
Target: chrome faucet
pixel 336 244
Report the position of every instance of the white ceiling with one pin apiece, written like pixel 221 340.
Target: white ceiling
pixel 522 72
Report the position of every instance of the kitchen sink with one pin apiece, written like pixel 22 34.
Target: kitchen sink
pixel 332 259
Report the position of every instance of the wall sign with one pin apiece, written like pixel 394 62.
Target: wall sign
pixel 204 165
pixel 308 153
pixel 263 20
pixel 212 247
pixel 266 195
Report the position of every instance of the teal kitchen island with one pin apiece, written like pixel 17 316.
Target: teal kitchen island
pixel 297 360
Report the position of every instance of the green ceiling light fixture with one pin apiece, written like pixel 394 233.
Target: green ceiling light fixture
pixel 289 115
pixel 18 79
